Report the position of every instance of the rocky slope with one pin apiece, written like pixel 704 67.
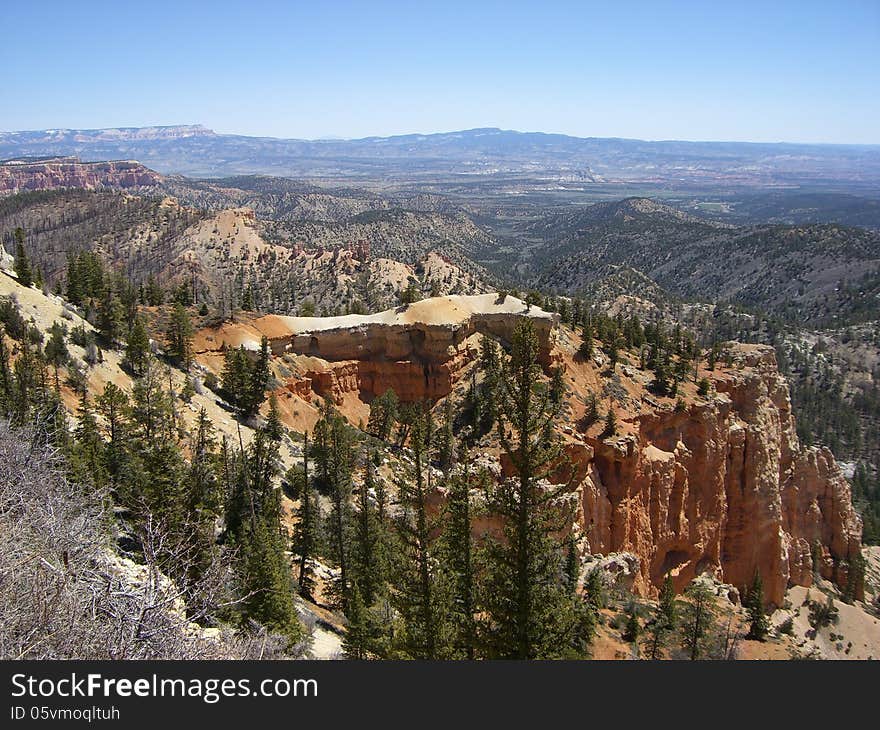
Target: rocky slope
pixel 818 275
pixel 224 253
pixel 69 172
pixel 420 351
pixel 721 485
pixel 717 484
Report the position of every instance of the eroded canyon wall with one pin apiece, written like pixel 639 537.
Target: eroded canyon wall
pixel 69 172
pixel 721 486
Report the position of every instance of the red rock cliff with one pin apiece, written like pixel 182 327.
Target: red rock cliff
pixel 722 486
pixel 69 172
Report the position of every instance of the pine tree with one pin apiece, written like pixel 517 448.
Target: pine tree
pixel 611 349
pixel 446 455
pixel 74 289
pixel 274 428
pixel 203 491
pixel 586 348
pixel 662 625
pixel 572 567
pixel 633 628
pixel 594 589
pixel 336 461
pixel 557 387
pixel 22 264
pixel 247 300
pixel 306 530
pixel 266 580
pixel 56 351
pixel 417 597
pixel 357 640
pixel 366 570
pixel 610 424
pixel 259 379
pixel 137 347
pixel 855 579
pixel 113 405
pixel 253 525
pixel 88 457
pixel 488 393
pixel 110 316
pixel 180 337
pixel 383 415
pixel 667 606
pixel 591 415
pixel 698 618
pixel 530 613
pixel 236 375
pixel 6 382
pixel 758 623
pixel 153 293
pixel 458 554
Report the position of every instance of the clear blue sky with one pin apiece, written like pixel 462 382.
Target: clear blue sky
pixel 761 71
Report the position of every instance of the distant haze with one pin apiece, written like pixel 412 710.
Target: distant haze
pixel 470 157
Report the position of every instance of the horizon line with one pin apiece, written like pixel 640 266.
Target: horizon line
pixel 336 138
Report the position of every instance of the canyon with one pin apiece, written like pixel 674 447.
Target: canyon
pixel 716 484
pixel 723 486
pixel 69 172
pixel 419 350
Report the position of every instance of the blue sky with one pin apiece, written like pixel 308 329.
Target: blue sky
pixel 762 71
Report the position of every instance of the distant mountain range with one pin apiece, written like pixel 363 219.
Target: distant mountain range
pixel 194 150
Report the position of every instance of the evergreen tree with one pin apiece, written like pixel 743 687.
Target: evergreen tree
pixel 446 438
pixel 88 459
pixel 633 628
pixel 458 559
pixel 594 589
pixel 557 387
pixel 758 623
pixel 6 382
pixel 663 624
pixel 530 613
pixel 180 337
pixel 74 290
pixel 110 316
pixel 153 293
pixel 572 566
pixel 586 348
pixel 698 619
pixel 417 597
pixel 336 459
pixel 610 424
pixel 490 360
pixel 113 406
pixel 137 347
pixel 366 569
pixel 307 528
pixel 383 415
pixel 57 354
pixel 357 640
pixel 266 580
pixel 855 579
pixel 259 379
pixel 274 428
pixel 236 375
pixel 203 492
pixel 22 264
pixel 591 414
pixel 667 607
